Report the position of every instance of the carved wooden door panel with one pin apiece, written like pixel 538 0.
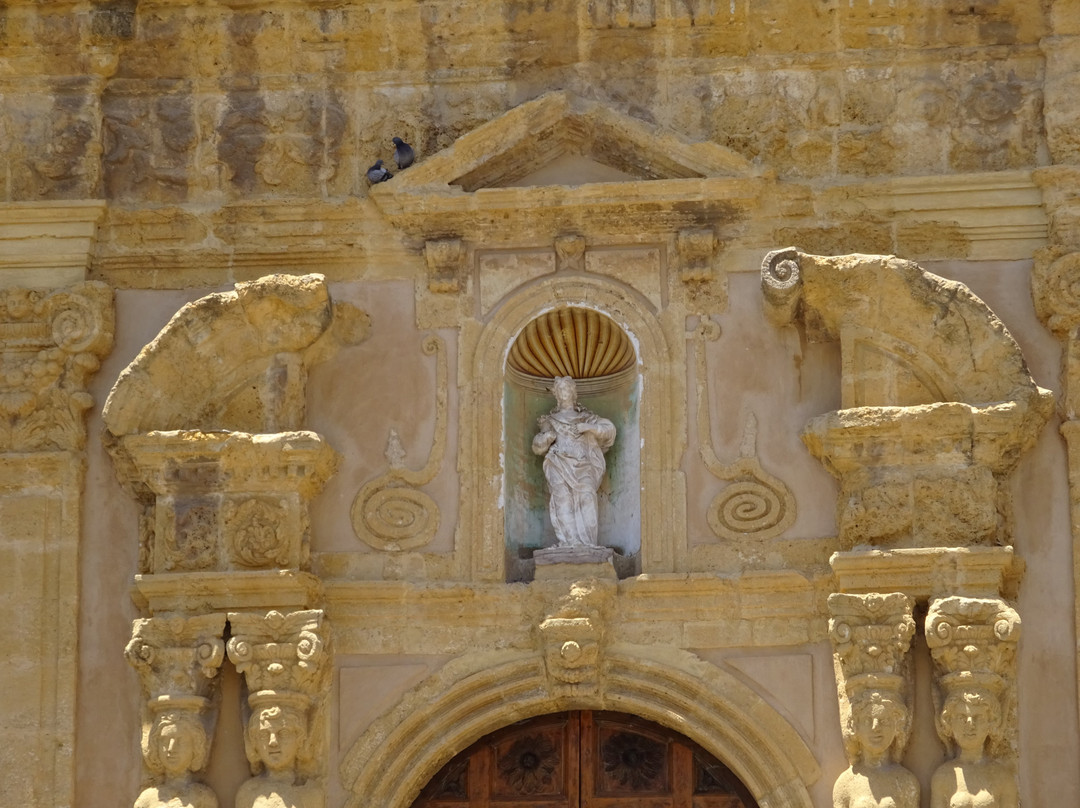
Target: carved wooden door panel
pixel 585 760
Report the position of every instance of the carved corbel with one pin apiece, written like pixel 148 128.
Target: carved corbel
pixel 871 636
pixel 285 660
pixel 177 660
pixel 697 252
pixel 973 645
pixel 445 264
pixel 572 639
pixel 570 254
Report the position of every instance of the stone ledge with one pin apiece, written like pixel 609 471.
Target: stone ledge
pixel 930 572
pixel 197 592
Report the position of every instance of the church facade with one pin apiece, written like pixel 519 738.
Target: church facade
pixel 297 514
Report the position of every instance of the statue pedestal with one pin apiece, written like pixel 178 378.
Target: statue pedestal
pixel 556 563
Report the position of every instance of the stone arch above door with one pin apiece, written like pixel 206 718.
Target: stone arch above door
pixel 659 341
pixel 482 692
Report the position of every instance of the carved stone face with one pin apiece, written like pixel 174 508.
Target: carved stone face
pixel 876 726
pixel 970 718
pixel 565 392
pixel 277 739
pixel 177 748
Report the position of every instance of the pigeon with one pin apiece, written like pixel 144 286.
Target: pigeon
pixel 403 153
pixel 377 173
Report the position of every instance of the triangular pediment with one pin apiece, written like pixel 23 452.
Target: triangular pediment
pixel 558 139
pixel 561 164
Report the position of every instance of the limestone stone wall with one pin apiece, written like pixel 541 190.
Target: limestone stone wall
pixel 254 407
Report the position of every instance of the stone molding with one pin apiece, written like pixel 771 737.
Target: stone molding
pixel 927 572
pixel 483 691
pixel 913 398
pixel 47 244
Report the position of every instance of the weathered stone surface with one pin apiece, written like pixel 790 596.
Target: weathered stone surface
pixel 930 380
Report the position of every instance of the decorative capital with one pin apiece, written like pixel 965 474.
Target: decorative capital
pixel 973 637
pixel 281 653
pixel 871 634
pixel 1055 288
pixel 50 345
pixel 177 657
pixel 570 254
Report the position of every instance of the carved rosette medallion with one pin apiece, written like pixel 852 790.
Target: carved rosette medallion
pixel 390 512
pixel 529 766
pixel 50 344
pixel 256 532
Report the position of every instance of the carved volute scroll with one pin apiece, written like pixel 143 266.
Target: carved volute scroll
pixel 51 342
pixel 390 512
pixel 871 636
pixel 177 660
pixel 938 401
pixel 754 504
pixel 973 644
pixel 285 660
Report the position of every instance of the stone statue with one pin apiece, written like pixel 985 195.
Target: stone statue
pixel 880 723
pixel 275 736
pixel 176 748
pixel 970 717
pixel 573 441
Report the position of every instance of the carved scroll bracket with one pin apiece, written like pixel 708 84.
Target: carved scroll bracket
pixel 390 512
pixel 934 420
pixel 755 504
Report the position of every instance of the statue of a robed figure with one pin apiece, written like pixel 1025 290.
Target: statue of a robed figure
pixel 573 441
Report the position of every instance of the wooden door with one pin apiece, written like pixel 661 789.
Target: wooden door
pixel 585 760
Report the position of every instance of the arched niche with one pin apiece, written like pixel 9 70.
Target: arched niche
pixel 477 694
pixel 657 338
pixel 589 347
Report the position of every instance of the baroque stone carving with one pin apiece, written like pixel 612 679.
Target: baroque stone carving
pixel 696 250
pixel 913 397
pixel 573 441
pixel 285 661
pixel 572 638
pixel 973 644
pixel 263 335
pixel 224 500
pixel 51 342
pixel 391 512
pixel 571 341
pixel 755 504
pixel 871 635
pixel 178 661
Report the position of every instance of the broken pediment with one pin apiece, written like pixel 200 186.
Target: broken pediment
pixel 556 162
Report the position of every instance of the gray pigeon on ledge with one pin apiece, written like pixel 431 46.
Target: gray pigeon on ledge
pixel 403 153
pixel 377 173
